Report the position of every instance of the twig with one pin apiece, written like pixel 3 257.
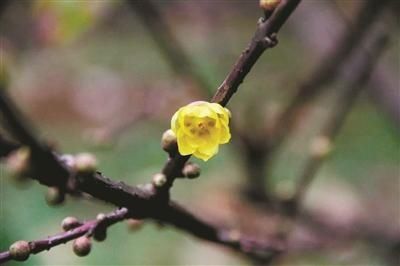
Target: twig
pixel 264 38
pixel 87 227
pixel 141 201
pixel 42 157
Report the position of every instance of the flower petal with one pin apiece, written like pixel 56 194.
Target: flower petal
pixel 185 146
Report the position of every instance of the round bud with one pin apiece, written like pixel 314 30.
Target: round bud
pixel 320 147
pixel 68 160
pixel 20 250
pixel 159 180
pixel 234 235
pixel 82 246
pixel 134 224
pixel 168 141
pixel 18 162
pixel 85 163
pixel 54 196
pixel 69 223
pixel 191 170
pixel 269 5
pixel 101 216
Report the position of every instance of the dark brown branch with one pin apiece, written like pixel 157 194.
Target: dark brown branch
pixel 263 39
pixel 249 246
pixel 42 155
pixel 141 201
pixel 86 228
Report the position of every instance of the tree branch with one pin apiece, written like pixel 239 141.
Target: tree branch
pixel 145 201
pixel 264 38
pixel 88 227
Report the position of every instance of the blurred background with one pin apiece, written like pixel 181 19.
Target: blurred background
pixel 92 76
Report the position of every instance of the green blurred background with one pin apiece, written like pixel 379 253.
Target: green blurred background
pixel 82 70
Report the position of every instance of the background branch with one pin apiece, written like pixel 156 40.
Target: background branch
pixel 322 75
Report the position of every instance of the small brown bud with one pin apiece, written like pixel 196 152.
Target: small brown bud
pixel 191 170
pixel 85 163
pixel 134 224
pixel 69 223
pixel 54 196
pixel 320 147
pixel 20 250
pixel 82 246
pixel 168 141
pixel 269 5
pixel 159 180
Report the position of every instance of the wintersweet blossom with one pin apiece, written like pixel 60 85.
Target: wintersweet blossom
pixel 200 127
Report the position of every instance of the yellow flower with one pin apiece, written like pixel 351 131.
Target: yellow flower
pixel 200 127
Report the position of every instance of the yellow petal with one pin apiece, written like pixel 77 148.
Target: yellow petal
pixel 185 146
pixel 224 135
pixel 209 149
pixel 174 122
pixel 202 156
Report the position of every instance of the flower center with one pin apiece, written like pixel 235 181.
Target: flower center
pixel 199 127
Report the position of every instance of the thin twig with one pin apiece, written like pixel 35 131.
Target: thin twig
pixel 264 38
pixel 87 227
pixel 139 200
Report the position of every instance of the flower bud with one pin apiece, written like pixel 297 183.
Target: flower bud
pixel 168 141
pixel 54 196
pixel 134 224
pixel 320 147
pixel 18 161
pixel 269 5
pixel 82 246
pixel 69 223
pixel 85 163
pixel 20 250
pixel 191 170
pixel 68 160
pixel 159 179
pixel 101 216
